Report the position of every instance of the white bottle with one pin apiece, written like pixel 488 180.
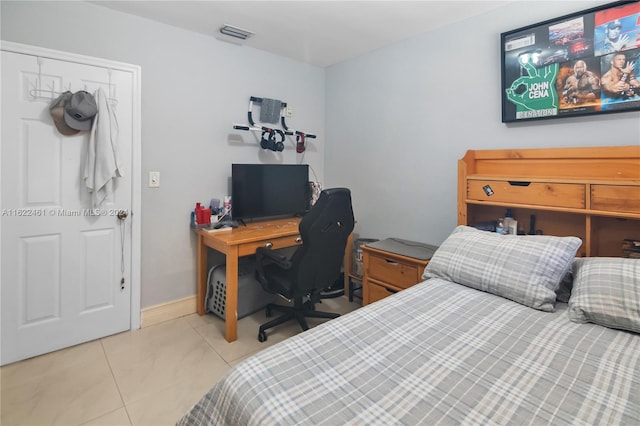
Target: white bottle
pixel 227 206
pixel 510 224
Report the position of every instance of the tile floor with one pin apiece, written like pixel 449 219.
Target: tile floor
pixel 150 376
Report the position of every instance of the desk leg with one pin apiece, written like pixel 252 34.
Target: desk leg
pixel 231 303
pixel 348 263
pixel 201 278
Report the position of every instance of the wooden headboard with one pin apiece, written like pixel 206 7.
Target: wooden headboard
pixel 592 193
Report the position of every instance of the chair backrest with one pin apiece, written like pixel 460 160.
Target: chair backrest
pixel 324 231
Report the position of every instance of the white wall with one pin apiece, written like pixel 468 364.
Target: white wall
pixel 194 88
pixel 398 120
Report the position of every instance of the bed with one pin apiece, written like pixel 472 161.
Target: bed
pixel 446 353
pixel 504 329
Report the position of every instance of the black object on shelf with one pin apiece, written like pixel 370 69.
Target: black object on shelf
pixel 489 225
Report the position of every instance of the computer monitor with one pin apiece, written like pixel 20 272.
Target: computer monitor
pixel 262 191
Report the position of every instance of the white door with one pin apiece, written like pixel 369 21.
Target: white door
pixel 66 268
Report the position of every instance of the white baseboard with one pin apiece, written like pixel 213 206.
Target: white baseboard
pixel 168 311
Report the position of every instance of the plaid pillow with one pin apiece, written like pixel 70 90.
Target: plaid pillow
pixel 524 268
pixel 563 292
pixel 606 291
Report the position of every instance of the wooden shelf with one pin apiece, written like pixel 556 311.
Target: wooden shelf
pixel 592 193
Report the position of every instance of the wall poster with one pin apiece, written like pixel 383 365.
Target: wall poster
pixel 580 64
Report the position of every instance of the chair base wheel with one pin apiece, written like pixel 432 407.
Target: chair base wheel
pixel 262 336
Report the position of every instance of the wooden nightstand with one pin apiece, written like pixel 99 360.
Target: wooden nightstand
pixel 386 273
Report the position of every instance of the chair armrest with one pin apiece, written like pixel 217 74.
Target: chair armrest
pixel 263 255
pixel 281 260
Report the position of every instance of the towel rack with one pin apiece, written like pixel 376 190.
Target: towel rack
pixel 260 127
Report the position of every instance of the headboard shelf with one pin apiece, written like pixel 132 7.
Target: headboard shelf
pixel 593 163
pixel 592 192
pixel 604 213
pixel 520 178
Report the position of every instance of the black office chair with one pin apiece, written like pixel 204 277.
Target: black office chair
pixel 313 266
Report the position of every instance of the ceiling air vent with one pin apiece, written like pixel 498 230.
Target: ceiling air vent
pixel 235 32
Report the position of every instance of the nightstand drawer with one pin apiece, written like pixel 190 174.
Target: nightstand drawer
pixel 396 273
pixel 571 195
pixel 378 292
pixel 386 273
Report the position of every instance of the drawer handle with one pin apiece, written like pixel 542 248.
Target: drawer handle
pixel 392 291
pixel 269 245
pixel 519 183
pixel 391 262
pixel 299 240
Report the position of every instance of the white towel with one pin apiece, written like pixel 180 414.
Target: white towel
pixel 102 163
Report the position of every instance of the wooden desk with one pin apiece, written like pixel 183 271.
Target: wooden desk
pixel 244 241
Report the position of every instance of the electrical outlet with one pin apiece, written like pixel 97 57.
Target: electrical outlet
pixel 154 179
pixel 289 111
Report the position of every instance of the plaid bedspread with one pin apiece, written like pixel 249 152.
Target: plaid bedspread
pixel 437 353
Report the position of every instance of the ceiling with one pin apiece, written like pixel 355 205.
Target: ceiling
pixel 320 33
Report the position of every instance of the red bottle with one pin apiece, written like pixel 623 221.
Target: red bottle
pixel 203 216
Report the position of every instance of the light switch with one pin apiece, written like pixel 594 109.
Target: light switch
pixel 154 179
